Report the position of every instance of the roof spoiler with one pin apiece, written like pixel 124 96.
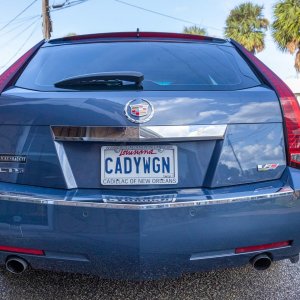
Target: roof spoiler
pixel 138 35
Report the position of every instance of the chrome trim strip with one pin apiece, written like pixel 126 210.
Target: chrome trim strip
pixel 212 254
pixel 138 133
pixel 228 253
pixel 198 203
pixel 65 166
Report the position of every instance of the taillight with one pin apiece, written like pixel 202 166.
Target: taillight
pixel 289 104
pixel 9 76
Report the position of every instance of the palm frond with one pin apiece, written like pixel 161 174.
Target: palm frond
pixel 286 27
pixel 195 30
pixel 247 25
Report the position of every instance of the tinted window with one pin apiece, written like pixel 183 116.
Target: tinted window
pixel 165 65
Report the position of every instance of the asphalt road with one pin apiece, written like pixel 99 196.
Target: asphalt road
pixel 282 281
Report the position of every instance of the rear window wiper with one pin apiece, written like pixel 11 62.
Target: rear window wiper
pixel 103 80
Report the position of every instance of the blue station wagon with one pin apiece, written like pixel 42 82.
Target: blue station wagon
pixel 146 155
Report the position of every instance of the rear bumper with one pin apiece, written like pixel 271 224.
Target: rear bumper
pixel 88 233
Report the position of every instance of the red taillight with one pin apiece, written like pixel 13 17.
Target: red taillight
pixel 263 247
pixel 10 75
pixel 289 104
pixel 22 250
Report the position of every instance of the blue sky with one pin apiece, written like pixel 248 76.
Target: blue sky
pixel 109 15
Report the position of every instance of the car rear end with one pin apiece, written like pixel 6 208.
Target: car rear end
pixel 146 155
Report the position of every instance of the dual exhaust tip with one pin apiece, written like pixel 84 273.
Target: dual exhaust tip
pixel 261 262
pixel 16 265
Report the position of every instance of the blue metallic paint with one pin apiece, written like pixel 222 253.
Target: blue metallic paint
pixel 147 244
pixel 25 107
pixel 247 146
pixel 236 161
pixel 202 163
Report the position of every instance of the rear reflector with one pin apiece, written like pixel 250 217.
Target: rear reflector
pixel 289 104
pixel 9 76
pixel 263 247
pixel 22 250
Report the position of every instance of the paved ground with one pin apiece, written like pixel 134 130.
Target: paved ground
pixel 282 281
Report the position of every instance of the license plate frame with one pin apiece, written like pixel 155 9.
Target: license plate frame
pixel 114 167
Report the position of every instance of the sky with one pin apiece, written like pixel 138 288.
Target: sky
pixel 95 16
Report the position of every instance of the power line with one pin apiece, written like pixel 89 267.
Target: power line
pixel 165 15
pixel 23 30
pixel 19 24
pixel 20 19
pixel 157 13
pixel 18 15
pixel 25 42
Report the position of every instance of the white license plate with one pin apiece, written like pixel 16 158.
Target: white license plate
pixel 139 165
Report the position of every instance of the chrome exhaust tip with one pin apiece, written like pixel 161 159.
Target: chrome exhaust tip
pixel 16 265
pixel 261 262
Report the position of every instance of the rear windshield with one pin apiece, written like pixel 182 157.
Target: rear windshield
pixel 165 65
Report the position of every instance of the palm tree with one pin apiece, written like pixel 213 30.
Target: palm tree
pixel 286 28
pixel 247 25
pixel 70 34
pixel 194 30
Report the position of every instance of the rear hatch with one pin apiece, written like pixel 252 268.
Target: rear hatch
pixel 201 119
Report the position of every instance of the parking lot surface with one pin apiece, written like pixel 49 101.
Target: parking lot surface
pixel 281 281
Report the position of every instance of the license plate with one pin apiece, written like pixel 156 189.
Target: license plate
pixel 139 165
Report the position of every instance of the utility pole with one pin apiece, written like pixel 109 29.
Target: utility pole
pixel 47 23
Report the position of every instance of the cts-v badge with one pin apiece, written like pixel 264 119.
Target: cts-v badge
pixel 139 110
pixel 267 167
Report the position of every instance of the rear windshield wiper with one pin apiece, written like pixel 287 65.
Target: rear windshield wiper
pixel 103 80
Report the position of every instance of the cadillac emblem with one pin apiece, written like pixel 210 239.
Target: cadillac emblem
pixel 139 111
